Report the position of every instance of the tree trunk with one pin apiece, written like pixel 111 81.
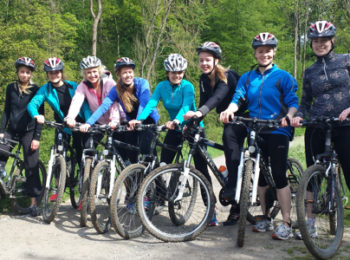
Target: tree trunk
pixel 95 24
pixel 296 32
pixel 305 35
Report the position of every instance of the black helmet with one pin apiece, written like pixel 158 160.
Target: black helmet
pixel 25 61
pixel 53 64
pixel 90 62
pixel 321 29
pixel 175 62
pixel 211 47
pixel 124 62
pixel 264 39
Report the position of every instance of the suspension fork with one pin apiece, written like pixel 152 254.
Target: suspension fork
pixel 50 165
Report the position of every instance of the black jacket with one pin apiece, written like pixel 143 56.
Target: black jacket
pixel 15 115
pixel 220 96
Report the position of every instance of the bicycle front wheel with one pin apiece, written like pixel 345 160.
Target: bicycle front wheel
pixel 123 211
pixel 85 192
pixel 320 213
pixel 54 192
pixel 159 188
pixel 75 181
pixel 244 201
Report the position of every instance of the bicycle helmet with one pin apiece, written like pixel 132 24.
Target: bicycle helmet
pixel 25 61
pixel 211 47
pixel 90 62
pixel 321 29
pixel 264 39
pixel 124 62
pixel 53 64
pixel 175 62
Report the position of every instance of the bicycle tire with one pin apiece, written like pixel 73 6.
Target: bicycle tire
pixel 21 201
pixel 123 212
pixel 161 225
pixel 85 193
pixel 58 172
pixel 99 211
pixel 313 178
pixel 244 201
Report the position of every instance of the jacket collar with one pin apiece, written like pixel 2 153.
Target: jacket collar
pixel 330 56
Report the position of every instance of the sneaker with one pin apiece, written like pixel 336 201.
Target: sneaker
pixel 311 229
pixel 34 211
pixel 262 224
pixel 53 197
pixel 283 232
pixel 214 222
pixel 233 218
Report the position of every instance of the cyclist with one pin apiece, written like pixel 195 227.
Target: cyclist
pixel 58 93
pixel 326 92
pixel 94 89
pixel 132 93
pixel 271 94
pixel 217 86
pixel 21 126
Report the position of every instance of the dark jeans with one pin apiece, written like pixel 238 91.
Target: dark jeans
pixel 31 158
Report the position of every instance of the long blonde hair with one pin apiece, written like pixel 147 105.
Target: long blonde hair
pixel 220 72
pixel 127 97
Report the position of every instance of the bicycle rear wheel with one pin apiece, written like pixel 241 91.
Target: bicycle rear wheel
pixel 158 187
pixel 244 201
pixel 314 201
pixel 85 192
pixel 21 201
pixel 54 192
pixel 75 181
pixel 123 211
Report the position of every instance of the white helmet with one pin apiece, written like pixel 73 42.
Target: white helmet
pixel 175 62
pixel 90 62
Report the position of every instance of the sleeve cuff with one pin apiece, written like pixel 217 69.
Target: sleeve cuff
pixel 204 110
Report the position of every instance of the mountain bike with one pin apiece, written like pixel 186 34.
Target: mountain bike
pixel 123 202
pixel 178 187
pixel 252 164
pixel 319 197
pixel 13 184
pixel 103 178
pixel 60 166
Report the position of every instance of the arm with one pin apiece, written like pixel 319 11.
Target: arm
pixel 103 108
pixel 187 103
pixel 77 102
pixel 143 97
pixel 36 102
pixel 151 104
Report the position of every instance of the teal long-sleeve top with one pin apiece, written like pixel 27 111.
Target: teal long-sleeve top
pixel 177 100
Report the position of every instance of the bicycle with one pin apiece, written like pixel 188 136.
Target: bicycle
pixel 252 164
pixel 12 185
pixel 103 178
pixel 123 207
pixel 60 166
pixel 319 197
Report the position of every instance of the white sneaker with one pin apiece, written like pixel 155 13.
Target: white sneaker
pixel 283 232
pixel 311 229
pixel 262 224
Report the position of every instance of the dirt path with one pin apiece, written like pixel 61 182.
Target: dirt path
pixel 24 237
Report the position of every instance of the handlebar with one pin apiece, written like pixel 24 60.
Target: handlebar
pixel 247 121
pixel 323 121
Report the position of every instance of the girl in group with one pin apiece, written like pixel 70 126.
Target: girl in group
pixel 21 126
pixel 326 92
pixel 132 93
pixel 58 93
pixel 177 95
pixel 94 89
pixel 271 94
pixel 217 86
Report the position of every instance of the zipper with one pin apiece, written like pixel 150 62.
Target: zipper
pixel 324 68
pixel 261 85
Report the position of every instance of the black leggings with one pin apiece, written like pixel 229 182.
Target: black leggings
pixel 275 147
pixel 314 144
pixel 31 159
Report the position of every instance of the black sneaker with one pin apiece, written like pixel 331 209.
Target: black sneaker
pixel 233 218
pixel 34 211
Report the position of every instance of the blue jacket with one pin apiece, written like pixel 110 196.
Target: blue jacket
pixel 48 93
pixel 269 95
pixel 142 94
pixel 177 100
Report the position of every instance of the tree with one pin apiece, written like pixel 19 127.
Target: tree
pixel 95 24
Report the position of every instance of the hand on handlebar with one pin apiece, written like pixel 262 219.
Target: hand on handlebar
pixel 84 128
pixel 191 114
pixel 295 122
pixel 70 122
pixel 133 123
pixel 172 124
pixel 344 114
pixel 40 119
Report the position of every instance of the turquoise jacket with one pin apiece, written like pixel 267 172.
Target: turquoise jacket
pixel 48 93
pixel 177 100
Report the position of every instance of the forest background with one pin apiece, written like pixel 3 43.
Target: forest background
pixel 149 30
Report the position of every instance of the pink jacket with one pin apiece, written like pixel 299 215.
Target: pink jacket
pixel 115 113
